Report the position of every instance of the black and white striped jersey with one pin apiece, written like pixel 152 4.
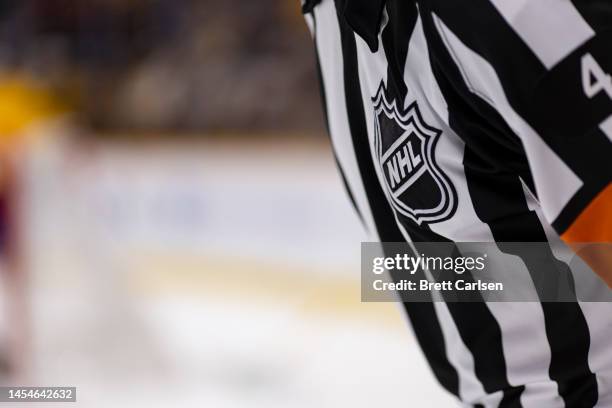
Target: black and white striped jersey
pixel 481 120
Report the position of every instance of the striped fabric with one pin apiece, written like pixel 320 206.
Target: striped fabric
pixel 480 120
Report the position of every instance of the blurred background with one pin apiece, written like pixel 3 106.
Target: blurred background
pixel 173 232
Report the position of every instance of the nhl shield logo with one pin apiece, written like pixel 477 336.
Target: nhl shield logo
pixel 405 150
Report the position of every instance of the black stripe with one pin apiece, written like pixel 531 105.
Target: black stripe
pixel 385 224
pixel 422 315
pixel 395 38
pixel 499 201
pixel 364 18
pixel 327 127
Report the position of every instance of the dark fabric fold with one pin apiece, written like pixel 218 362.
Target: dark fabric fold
pixel 364 16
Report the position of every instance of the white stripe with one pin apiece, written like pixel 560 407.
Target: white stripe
pixel 555 182
pixel 606 127
pixel 551 28
pixel 329 48
pixel 309 23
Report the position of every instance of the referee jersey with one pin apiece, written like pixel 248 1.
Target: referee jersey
pixel 488 121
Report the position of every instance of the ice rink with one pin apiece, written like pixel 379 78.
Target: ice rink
pixel 206 274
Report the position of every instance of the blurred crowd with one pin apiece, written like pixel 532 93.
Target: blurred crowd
pixel 166 65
